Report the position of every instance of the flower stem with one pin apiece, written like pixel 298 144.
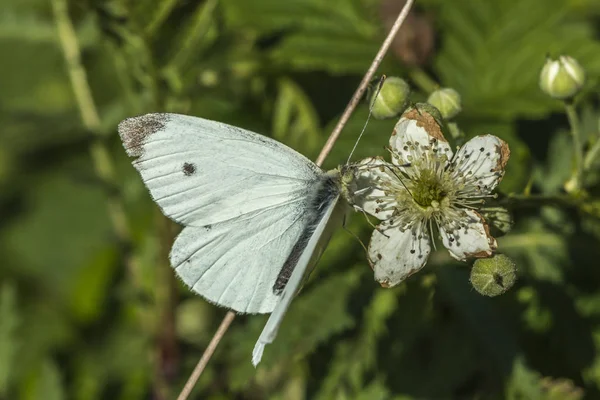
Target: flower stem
pixel 577 147
pixel 422 80
pixel 591 155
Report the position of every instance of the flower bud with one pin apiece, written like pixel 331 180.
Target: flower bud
pixel 562 78
pixel 493 276
pixel 392 98
pixel 446 100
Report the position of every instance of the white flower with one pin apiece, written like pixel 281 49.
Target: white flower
pixel 427 184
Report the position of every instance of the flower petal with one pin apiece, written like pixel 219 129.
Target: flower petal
pixel 467 236
pixel 480 163
pixel 395 254
pixel 418 136
pixel 367 189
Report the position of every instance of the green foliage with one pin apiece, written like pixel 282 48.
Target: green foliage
pixel 89 312
pixel 9 341
pixel 333 36
pixel 495 77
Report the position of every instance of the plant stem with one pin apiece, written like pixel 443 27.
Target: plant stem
pixel 577 147
pixel 364 84
pixel 591 155
pixel 210 349
pixel 163 10
pixel 422 80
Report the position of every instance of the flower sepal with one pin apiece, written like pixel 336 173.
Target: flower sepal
pixel 494 275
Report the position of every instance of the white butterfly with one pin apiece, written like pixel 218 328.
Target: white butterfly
pixel 257 214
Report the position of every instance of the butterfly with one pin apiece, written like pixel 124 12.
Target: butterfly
pixel 256 214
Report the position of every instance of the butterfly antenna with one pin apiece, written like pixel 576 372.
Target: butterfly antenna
pixel 383 78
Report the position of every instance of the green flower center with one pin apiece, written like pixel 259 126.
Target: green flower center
pixel 427 190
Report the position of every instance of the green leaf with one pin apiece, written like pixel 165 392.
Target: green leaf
pixel 538 252
pixel 335 53
pixel 199 34
pixel 375 139
pixel 55 201
pixel 89 289
pixel 552 177
pixel 317 314
pixel 9 339
pixel 498 343
pixel 373 391
pixel 267 16
pixel 45 382
pixel 526 384
pixel 332 36
pixel 353 359
pixel 495 77
pixel 523 383
pixel 295 121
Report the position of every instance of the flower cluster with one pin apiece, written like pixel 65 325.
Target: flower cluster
pixel 427 186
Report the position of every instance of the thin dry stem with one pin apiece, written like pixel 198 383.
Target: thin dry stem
pixel 362 87
pixel 364 84
pixel 214 342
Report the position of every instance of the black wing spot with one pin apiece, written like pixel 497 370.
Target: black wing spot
pixel 189 169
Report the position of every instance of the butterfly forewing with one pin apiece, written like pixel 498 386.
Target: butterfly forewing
pixel 202 172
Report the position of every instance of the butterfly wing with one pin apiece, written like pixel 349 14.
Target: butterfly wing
pixel 318 234
pixel 244 199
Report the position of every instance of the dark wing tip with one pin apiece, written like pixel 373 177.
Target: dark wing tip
pixel 134 131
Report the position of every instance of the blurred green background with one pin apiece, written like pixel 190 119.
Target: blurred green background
pixel 89 307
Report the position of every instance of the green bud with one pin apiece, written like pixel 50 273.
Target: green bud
pixel 446 100
pixel 562 78
pixel 392 99
pixel 493 276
